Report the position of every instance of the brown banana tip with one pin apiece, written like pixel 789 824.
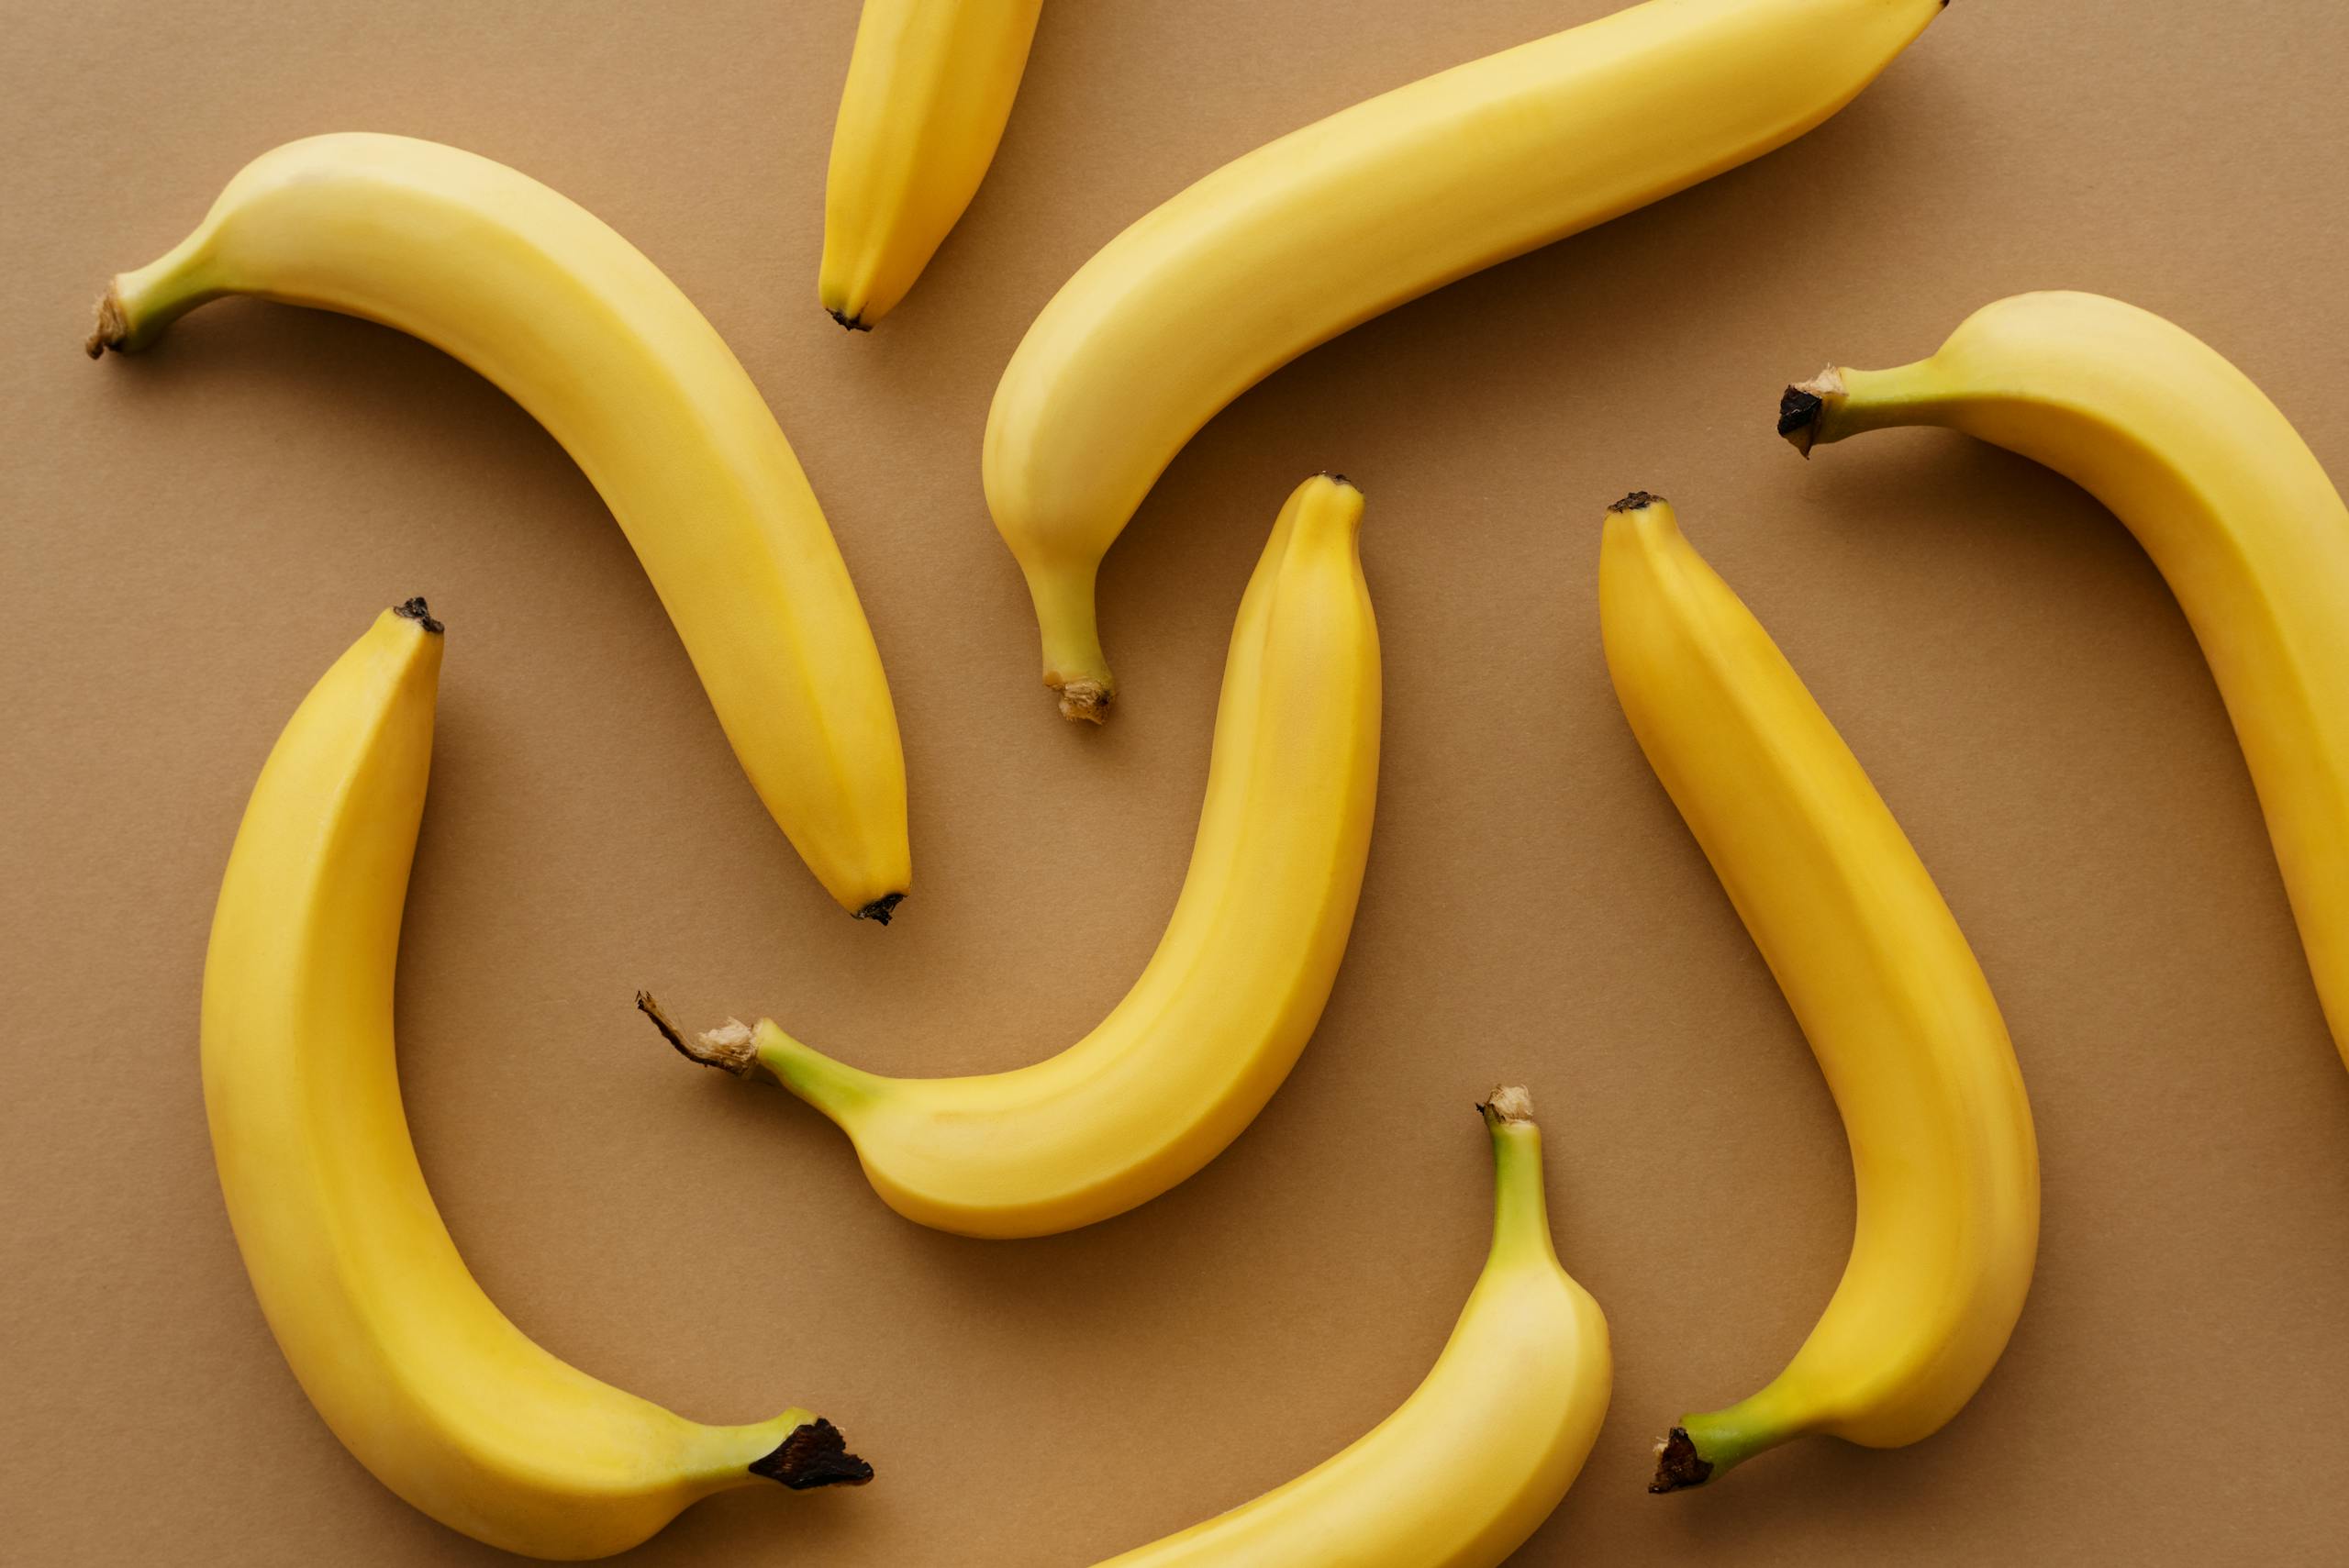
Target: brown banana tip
pixel 815 1454
pixel 1803 404
pixel 1678 1466
pixel 881 909
pixel 113 328
pixel 728 1048
pixel 1510 1104
pixel 1085 702
pixel 854 323
pixel 1637 501
pixel 417 610
pixel 1799 411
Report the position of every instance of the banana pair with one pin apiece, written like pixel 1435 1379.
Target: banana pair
pixel 2252 537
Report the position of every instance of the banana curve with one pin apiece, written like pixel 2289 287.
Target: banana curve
pixel 1235 987
pixel 1317 231
pixel 1885 988
pixel 579 327
pixel 2229 503
pixel 428 1385
pixel 1482 1451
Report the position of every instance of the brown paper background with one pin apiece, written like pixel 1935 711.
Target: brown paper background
pixel 191 538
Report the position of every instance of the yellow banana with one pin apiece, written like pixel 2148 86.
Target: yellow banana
pixel 929 89
pixel 572 323
pixel 1318 232
pixel 1883 984
pixel 1227 1001
pixel 1482 1452
pixel 2229 503
pixel 414 1369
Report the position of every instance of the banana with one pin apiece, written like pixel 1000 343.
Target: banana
pixel 416 1370
pixel 1327 226
pixel 2228 501
pixel 1227 1001
pixel 576 326
pixel 1882 982
pixel 929 89
pixel 1482 1451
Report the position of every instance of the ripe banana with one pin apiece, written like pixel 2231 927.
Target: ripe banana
pixel 1482 1452
pixel 1883 984
pixel 1326 228
pixel 929 89
pixel 416 1371
pixel 1227 1002
pixel 575 325
pixel 2229 503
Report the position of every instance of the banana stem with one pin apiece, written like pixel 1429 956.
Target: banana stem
pixel 1701 1447
pixel 1840 401
pixel 1520 1206
pixel 138 306
pixel 1075 665
pixel 832 1087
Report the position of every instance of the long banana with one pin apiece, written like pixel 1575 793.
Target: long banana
pixel 575 325
pixel 2228 501
pixel 929 90
pixel 416 1370
pixel 1317 232
pixel 1227 1001
pixel 1883 984
pixel 1482 1452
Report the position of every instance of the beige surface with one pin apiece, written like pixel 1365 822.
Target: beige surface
pixel 189 540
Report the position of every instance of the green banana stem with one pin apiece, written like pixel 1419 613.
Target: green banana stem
pixel 1520 1207
pixel 138 306
pixel 1838 403
pixel 834 1087
pixel 1074 662
pixel 1702 1446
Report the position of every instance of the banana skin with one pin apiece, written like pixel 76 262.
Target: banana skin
pixel 1220 1014
pixel 424 1379
pixel 930 84
pixel 1483 1450
pixel 1318 232
pixel 1896 1010
pixel 575 325
pixel 2228 501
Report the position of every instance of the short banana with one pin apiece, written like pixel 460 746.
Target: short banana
pixel 929 89
pixel 1482 1452
pixel 1883 984
pixel 1318 232
pixel 576 326
pixel 416 1371
pixel 2226 498
pixel 1239 978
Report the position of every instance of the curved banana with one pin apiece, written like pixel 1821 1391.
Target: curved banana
pixel 1883 984
pixel 572 323
pixel 2229 503
pixel 1227 1001
pixel 416 1370
pixel 1482 1452
pixel 929 89
pixel 1324 229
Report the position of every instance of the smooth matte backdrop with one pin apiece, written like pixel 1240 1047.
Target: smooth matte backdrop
pixel 188 538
